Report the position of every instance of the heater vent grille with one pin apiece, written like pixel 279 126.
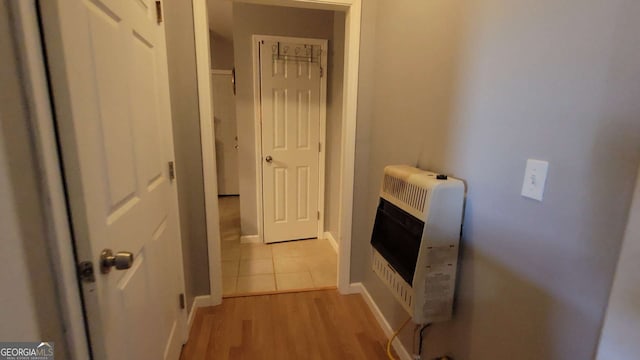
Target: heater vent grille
pixel 401 290
pixel 412 195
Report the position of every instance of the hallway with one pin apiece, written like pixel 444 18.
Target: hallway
pixel 267 268
pixel 304 325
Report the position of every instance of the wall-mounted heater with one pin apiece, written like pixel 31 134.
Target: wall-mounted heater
pixel 415 240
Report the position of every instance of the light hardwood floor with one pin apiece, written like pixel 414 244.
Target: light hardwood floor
pixel 305 325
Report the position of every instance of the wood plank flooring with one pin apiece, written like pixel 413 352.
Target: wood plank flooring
pixel 305 325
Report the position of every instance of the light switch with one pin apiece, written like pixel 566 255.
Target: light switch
pixel 535 175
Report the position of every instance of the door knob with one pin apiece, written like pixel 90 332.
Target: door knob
pixel 268 159
pixel 121 260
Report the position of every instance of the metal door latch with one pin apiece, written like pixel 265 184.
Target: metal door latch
pixel 85 272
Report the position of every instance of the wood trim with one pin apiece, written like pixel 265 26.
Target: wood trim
pixel 255 56
pixel 198 302
pixel 51 181
pixel 337 5
pixel 332 241
pixel 349 112
pixel 279 292
pixel 359 288
pixel 207 138
pixel 250 239
pixel 221 72
pixel 322 161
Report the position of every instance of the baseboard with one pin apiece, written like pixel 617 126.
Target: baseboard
pixel 332 241
pixel 250 239
pixel 198 302
pixel 359 288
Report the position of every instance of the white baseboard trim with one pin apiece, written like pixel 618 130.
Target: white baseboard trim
pixel 332 241
pixel 250 239
pixel 359 288
pixel 198 302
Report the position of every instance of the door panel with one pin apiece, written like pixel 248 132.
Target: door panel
pixel 290 109
pixel 108 71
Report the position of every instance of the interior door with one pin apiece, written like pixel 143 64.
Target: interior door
pixel 290 110
pixel 108 68
pixel 224 107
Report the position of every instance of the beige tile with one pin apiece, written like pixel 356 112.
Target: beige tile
pixel 229 285
pixel 229 245
pixel 288 249
pixel 324 278
pixel 255 251
pixel 256 283
pixel 230 268
pixel 230 254
pixel 229 232
pixel 289 265
pixel 322 263
pixel 292 281
pixel 256 266
pixel 317 248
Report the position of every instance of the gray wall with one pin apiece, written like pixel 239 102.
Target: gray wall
pixel 221 52
pixel 248 20
pixel 473 89
pixel 29 308
pixel 619 339
pixel 186 135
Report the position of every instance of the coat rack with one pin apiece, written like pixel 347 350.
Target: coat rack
pixel 296 52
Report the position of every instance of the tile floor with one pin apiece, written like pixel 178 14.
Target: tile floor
pixel 260 268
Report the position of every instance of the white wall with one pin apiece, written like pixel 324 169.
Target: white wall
pixel 473 88
pixel 619 339
pixel 251 19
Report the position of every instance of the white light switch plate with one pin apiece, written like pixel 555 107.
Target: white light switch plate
pixel 535 175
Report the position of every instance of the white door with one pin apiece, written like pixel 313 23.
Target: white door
pixel 291 106
pixel 108 69
pixel 226 130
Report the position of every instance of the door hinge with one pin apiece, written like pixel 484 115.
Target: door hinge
pixel 318 215
pixel 182 301
pixel 85 272
pixel 321 71
pixel 319 147
pixel 158 12
pixel 172 170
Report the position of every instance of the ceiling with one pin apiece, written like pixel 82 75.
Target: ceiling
pixel 221 18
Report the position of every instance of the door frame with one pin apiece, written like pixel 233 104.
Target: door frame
pixel 51 183
pixel 257 118
pixel 208 148
pixel 352 10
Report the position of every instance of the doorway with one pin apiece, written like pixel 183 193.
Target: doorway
pixel 341 136
pixel 308 72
